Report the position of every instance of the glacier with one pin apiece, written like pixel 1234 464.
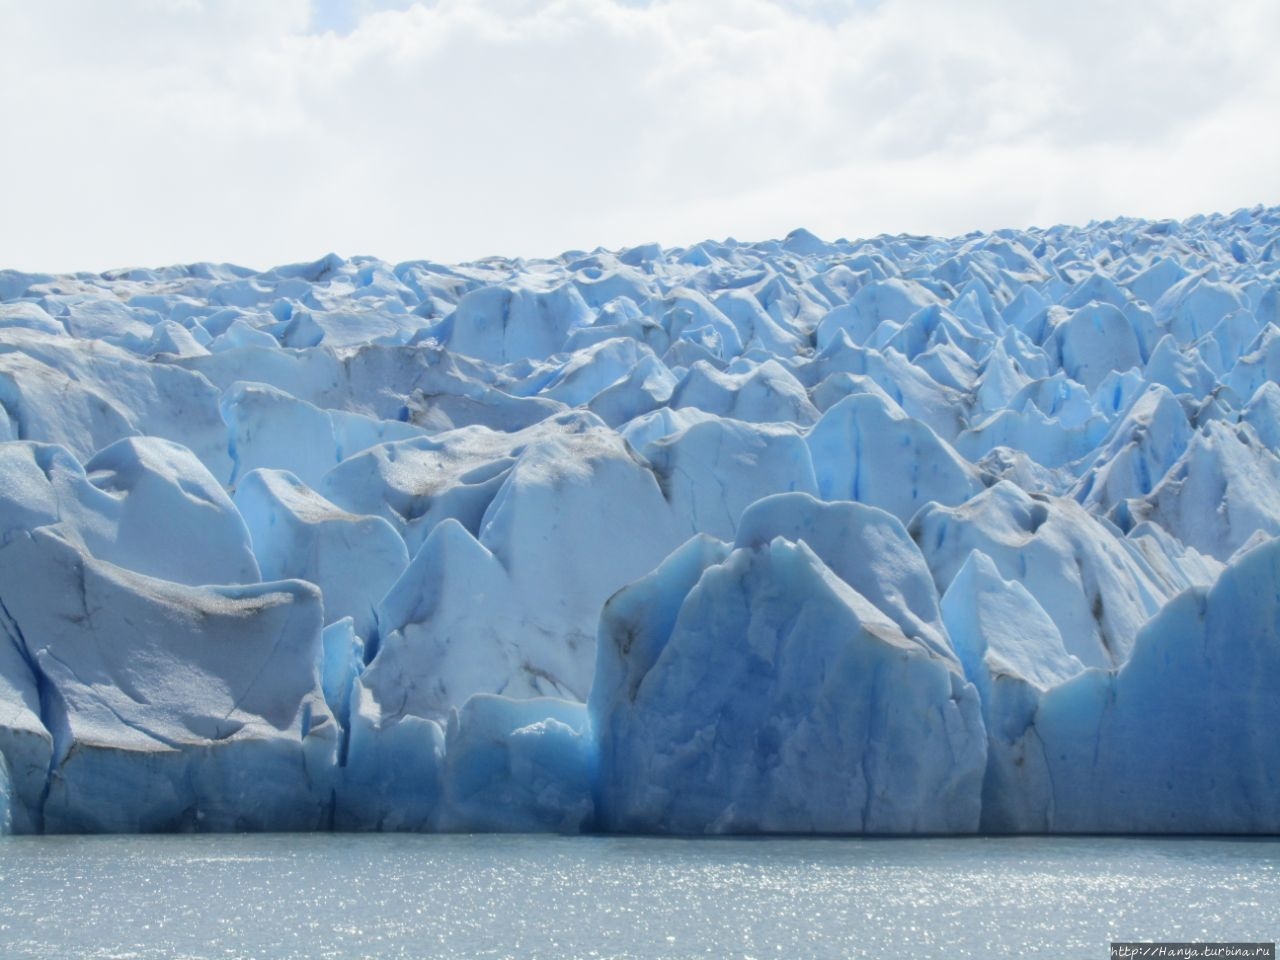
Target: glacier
pixel 896 535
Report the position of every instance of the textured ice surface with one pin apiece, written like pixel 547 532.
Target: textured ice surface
pixel 299 534
pixel 517 765
pixel 1182 738
pixel 170 707
pixel 777 700
pixel 901 534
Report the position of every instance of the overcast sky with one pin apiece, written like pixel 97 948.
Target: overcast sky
pixel 146 132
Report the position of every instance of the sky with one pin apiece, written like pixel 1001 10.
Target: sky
pixel 149 132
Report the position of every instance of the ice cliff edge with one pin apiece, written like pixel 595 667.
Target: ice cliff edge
pixel 900 535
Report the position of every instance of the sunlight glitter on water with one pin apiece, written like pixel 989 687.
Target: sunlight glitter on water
pixel 341 897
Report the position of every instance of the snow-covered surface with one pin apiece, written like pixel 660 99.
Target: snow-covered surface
pixel 898 535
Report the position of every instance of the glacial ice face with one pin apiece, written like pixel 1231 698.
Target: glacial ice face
pixel 142 503
pixel 389 779
pixel 714 470
pixel 867 452
pixel 517 766
pixel 168 502
pixel 499 324
pixel 866 548
pixel 1219 493
pixel 205 696
pixel 1012 652
pixel 298 534
pixel 1094 585
pixel 26 744
pixel 267 427
pixel 895 534
pixel 85 395
pixel 449 628
pixel 780 701
pixel 1182 739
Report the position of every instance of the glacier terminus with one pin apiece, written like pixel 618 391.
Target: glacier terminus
pixel 891 536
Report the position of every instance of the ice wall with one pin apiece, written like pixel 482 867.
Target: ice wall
pixel 896 535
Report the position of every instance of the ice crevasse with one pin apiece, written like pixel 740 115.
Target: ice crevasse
pixel 897 535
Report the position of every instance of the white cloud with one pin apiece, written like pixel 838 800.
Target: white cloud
pixel 150 131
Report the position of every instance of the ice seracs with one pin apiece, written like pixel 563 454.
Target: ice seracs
pixel 868 450
pixel 1093 584
pixel 712 471
pixel 1181 739
pixel 517 766
pixel 1012 652
pixel 170 707
pixel 906 534
pixel 865 547
pixel 298 534
pixel 449 628
pixel 142 503
pixel 777 699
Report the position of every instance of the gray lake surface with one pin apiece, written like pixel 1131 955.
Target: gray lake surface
pixel 358 896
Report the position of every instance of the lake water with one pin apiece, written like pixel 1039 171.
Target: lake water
pixel 327 896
